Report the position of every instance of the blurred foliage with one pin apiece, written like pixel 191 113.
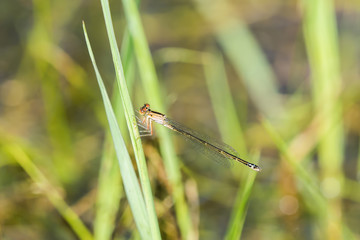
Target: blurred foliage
pixel 278 79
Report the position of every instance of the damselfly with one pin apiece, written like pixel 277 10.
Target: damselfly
pixel 220 149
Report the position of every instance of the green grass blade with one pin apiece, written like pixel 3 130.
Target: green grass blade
pixel 108 195
pixel 131 123
pixel 154 97
pixel 246 56
pixel 50 191
pixel 42 51
pixel 239 211
pixel 322 48
pixel 231 131
pixel 132 188
pixel 224 107
pixel 107 206
pixel 250 63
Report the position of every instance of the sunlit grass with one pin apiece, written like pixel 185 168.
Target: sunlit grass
pixel 57 151
pixel 154 95
pixel 322 46
pixel 132 188
pixel 50 191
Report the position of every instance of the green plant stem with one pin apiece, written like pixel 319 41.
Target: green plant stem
pixel 322 48
pixel 131 123
pixel 239 211
pixel 154 96
pixel 109 194
pixel 245 54
pixel 231 131
pixel 133 192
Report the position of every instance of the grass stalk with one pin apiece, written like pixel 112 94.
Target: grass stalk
pixel 231 131
pixel 109 194
pixel 245 54
pixel 50 191
pixel 131 123
pixel 322 48
pixel 39 46
pixel 134 194
pixel 154 96
pixel 238 214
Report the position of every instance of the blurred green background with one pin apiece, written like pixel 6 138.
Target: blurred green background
pixel 276 80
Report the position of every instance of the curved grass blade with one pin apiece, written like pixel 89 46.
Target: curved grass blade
pixel 244 52
pixel 239 211
pixel 131 185
pixel 321 41
pixel 153 95
pixel 50 191
pixel 131 123
pixel 108 195
pixel 231 129
pixel 107 206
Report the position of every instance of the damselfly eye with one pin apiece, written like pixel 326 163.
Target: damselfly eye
pixel 144 109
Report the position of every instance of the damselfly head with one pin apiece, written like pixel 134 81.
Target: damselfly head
pixel 144 109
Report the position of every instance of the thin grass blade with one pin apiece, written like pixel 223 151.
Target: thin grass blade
pixel 230 128
pixel 239 211
pixel 50 191
pixel 108 195
pixel 320 31
pixel 131 123
pixel 153 95
pixel 131 185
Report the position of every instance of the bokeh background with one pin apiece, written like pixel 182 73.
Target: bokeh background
pixel 277 80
